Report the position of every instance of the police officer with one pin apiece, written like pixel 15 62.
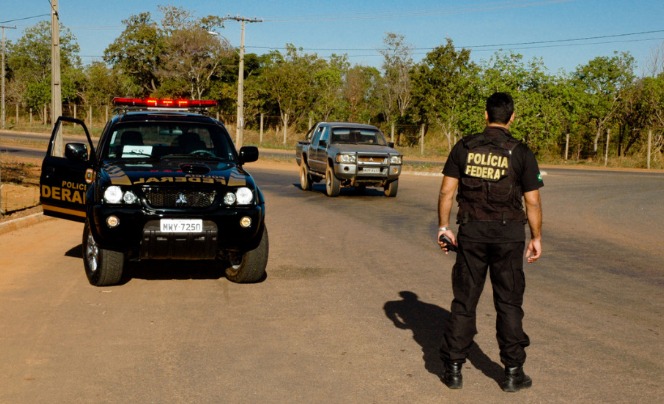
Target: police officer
pixel 493 173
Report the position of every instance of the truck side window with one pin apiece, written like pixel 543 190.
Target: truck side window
pixel 316 138
pixel 326 135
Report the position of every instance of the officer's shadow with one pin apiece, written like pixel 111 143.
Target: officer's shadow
pixel 427 323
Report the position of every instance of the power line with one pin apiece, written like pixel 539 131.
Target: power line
pixel 25 18
pixel 549 43
pixel 568 40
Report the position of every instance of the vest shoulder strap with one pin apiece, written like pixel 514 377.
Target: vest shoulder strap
pixel 480 139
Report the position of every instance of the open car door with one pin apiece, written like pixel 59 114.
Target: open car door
pixel 67 170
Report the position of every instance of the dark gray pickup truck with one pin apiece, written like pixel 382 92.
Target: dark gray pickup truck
pixel 348 155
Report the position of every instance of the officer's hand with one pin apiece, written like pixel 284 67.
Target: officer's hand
pixel 450 235
pixel 534 250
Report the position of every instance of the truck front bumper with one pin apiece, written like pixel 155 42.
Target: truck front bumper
pixel 355 173
pixel 138 232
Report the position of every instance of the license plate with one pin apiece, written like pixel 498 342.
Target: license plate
pixel 371 170
pixel 181 225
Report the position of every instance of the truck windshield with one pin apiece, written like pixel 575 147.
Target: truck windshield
pixel 155 140
pixel 358 136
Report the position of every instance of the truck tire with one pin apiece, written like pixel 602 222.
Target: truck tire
pixel 391 189
pixel 305 177
pixel 249 267
pixel 103 267
pixel 332 183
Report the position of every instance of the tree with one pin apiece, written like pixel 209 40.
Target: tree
pixel 397 65
pixel 328 79
pixel 101 84
pixel 642 109
pixel 545 108
pixel 603 80
pixel 656 63
pixel 137 55
pixel 195 55
pixel 177 58
pixel 296 83
pixel 360 90
pixel 442 88
pixel 29 61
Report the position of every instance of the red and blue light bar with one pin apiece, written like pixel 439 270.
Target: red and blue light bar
pixel 163 103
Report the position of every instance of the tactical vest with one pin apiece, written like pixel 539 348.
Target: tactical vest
pixel 489 188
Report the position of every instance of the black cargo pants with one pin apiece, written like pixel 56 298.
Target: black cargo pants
pixel 504 262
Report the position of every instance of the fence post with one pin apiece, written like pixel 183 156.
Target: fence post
pixel 566 146
pixel 260 140
pixel 649 148
pixel 422 140
pixel 285 128
pixel 606 152
pixel 392 132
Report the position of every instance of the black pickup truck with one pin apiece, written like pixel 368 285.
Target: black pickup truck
pixel 164 183
pixel 348 155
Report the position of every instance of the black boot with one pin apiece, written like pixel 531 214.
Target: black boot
pixel 515 379
pixel 452 376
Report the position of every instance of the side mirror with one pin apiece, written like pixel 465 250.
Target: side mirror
pixel 248 154
pixel 322 143
pixel 76 151
pixel 390 144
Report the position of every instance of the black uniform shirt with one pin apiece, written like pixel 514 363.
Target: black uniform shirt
pixel 528 174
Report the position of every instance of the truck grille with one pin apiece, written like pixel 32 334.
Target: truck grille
pixel 363 159
pixel 171 198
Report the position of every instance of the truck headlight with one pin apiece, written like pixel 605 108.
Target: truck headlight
pixel 241 196
pixel 113 194
pixel 130 197
pixel 395 159
pixel 346 158
pixel 244 196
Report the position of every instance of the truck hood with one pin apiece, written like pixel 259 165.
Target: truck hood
pixel 363 148
pixel 174 171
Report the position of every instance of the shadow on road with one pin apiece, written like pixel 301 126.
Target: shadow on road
pixel 346 191
pixel 75 252
pixel 427 322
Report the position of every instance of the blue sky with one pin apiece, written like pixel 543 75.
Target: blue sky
pixel 564 33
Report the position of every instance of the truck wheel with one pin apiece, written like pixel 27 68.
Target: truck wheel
pixel 249 266
pixel 305 177
pixel 332 183
pixel 103 267
pixel 392 188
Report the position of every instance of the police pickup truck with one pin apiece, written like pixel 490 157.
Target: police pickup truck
pixel 165 182
pixel 348 155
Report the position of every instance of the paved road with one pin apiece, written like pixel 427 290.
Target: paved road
pixel 352 308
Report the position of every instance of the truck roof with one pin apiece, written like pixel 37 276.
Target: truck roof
pixel 133 116
pixel 350 125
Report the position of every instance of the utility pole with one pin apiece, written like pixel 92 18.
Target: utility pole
pixel 239 133
pixel 2 211
pixel 56 88
pixel 4 114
